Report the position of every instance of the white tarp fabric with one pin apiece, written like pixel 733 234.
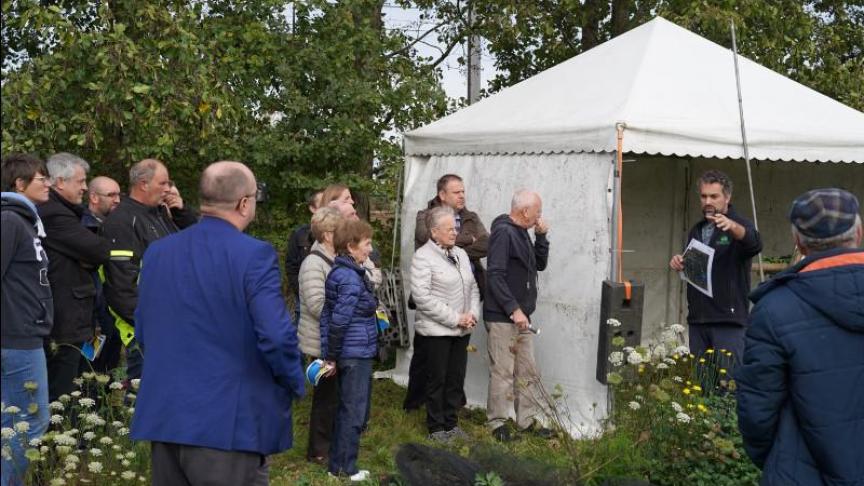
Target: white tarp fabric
pixel 568 311
pixel 676 93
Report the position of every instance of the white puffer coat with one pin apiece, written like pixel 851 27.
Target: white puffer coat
pixel 442 290
pixel 313 274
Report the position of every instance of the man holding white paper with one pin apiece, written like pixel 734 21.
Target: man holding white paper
pixel 718 311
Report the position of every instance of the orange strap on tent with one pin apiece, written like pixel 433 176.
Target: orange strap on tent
pixel 628 291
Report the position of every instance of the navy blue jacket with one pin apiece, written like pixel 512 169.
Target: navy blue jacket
pixel 513 261
pixel 730 280
pixel 801 387
pixel 221 364
pixel 349 328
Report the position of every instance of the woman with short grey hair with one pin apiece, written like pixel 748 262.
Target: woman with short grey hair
pixel 448 307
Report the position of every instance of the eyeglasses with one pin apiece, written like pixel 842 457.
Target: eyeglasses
pixel 42 179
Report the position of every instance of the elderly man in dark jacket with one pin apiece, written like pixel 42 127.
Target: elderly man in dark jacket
pixel 73 253
pixel 801 386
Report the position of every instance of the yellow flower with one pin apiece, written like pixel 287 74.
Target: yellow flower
pixel 675 356
pixel 722 371
pixel 729 353
pixel 722 350
pixel 641 369
pixel 701 360
pixel 709 351
pixel 686 391
pixel 688 382
pixel 697 388
pixel 702 408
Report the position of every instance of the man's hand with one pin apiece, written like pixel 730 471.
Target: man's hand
pixel 173 199
pixel 467 320
pixel 520 319
pixel 723 223
pixel 541 228
pixel 677 263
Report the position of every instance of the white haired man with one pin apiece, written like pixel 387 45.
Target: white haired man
pixel 511 298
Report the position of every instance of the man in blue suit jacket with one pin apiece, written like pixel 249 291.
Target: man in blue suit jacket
pixel 222 363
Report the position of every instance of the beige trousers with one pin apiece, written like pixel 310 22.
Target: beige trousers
pixel 513 376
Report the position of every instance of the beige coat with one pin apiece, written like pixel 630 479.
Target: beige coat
pixel 313 274
pixel 442 290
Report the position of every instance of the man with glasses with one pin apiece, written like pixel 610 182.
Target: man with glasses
pixel 137 222
pixel 73 253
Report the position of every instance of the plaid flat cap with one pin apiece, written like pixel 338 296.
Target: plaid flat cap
pixel 823 213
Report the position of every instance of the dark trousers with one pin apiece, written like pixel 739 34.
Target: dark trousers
pixel 355 379
pixel 64 365
pixel 134 360
pixel 109 357
pixel 416 395
pixel 181 465
pixel 325 406
pixel 446 359
pixel 728 336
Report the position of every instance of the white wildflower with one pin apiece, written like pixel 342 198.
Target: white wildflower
pixel 6 453
pixel 669 361
pixel 142 479
pixel 35 442
pixel 105 441
pixel 78 382
pixel 677 328
pixel 72 458
pixel 75 394
pixel 12 410
pixel 682 350
pixel 56 419
pixel 634 405
pixel 131 410
pixel 86 402
pixel 57 482
pixel 64 398
pixel 131 396
pixel 95 467
pixel 117 448
pixel 677 407
pixel 659 351
pixel 7 433
pixel 613 322
pixel 22 427
pixel 122 431
pixel 43 450
pixel 668 337
pixel 94 419
pixel 628 349
pixel 116 385
pixel 116 424
pixel 64 440
pixel 662 366
pixel 616 358
pixel 125 463
pixel 136 382
pixel 89 435
pixel 634 358
pixel 95 452
pixel 128 475
pixel 72 431
pixel 678 379
pixel 63 450
pixel 130 455
pixel 88 375
pixel 71 466
pixel 682 417
pixel 56 406
pixel 103 379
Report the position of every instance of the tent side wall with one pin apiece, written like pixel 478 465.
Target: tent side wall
pixel 661 203
pixel 576 203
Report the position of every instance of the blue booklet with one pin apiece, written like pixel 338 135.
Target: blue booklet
pixel 91 349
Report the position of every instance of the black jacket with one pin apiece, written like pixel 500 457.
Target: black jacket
pixel 298 247
pixel 511 279
pixel 130 228
pixel 473 238
pixel 25 294
pixel 730 280
pixel 73 253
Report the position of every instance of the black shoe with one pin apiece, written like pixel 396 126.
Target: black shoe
pixel 502 434
pixel 538 431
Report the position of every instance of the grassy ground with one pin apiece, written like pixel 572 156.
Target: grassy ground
pixel 391 427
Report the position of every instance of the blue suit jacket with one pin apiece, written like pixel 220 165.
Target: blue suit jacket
pixel 221 364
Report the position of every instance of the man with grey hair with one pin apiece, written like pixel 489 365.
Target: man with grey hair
pixel 511 298
pixel 137 222
pixel 222 363
pixel 800 394
pixel 73 253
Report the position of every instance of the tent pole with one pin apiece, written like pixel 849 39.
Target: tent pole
pixel 744 141
pixel 616 273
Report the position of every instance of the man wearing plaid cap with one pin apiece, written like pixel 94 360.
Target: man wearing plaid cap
pixel 800 393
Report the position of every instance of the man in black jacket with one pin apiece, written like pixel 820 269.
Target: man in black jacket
pixel 474 239
pixel 299 245
pixel 719 322
pixel 511 298
pixel 138 221
pixel 73 253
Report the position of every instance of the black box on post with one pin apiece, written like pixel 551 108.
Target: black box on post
pixel 624 302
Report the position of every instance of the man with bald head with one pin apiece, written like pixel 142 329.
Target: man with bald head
pixel 103 197
pixel 511 297
pixel 138 221
pixel 222 363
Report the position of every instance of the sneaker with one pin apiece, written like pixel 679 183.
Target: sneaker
pixel 442 436
pixel 361 475
pixel 538 431
pixel 503 434
pixel 458 433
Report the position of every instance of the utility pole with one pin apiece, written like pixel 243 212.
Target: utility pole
pixel 474 67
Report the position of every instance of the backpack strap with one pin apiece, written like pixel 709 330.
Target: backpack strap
pixel 322 256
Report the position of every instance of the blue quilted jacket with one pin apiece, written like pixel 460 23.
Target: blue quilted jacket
pixel 801 387
pixel 349 328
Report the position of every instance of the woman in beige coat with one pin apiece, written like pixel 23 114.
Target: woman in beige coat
pixel 313 274
pixel 448 306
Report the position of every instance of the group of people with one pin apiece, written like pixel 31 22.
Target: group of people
pixel 70 271
pixel 202 317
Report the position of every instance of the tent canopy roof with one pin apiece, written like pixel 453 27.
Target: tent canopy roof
pixel 676 94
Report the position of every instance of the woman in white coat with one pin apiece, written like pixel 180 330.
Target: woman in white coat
pixel 311 278
pixel 448 306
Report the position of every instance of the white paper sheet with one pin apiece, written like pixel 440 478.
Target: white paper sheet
pixel 698 265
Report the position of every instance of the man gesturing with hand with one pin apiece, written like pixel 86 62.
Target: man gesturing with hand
pixel 511 298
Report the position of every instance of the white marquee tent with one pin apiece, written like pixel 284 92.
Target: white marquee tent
pixel 675 94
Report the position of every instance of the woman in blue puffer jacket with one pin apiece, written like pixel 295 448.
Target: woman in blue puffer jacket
pixel 349 341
